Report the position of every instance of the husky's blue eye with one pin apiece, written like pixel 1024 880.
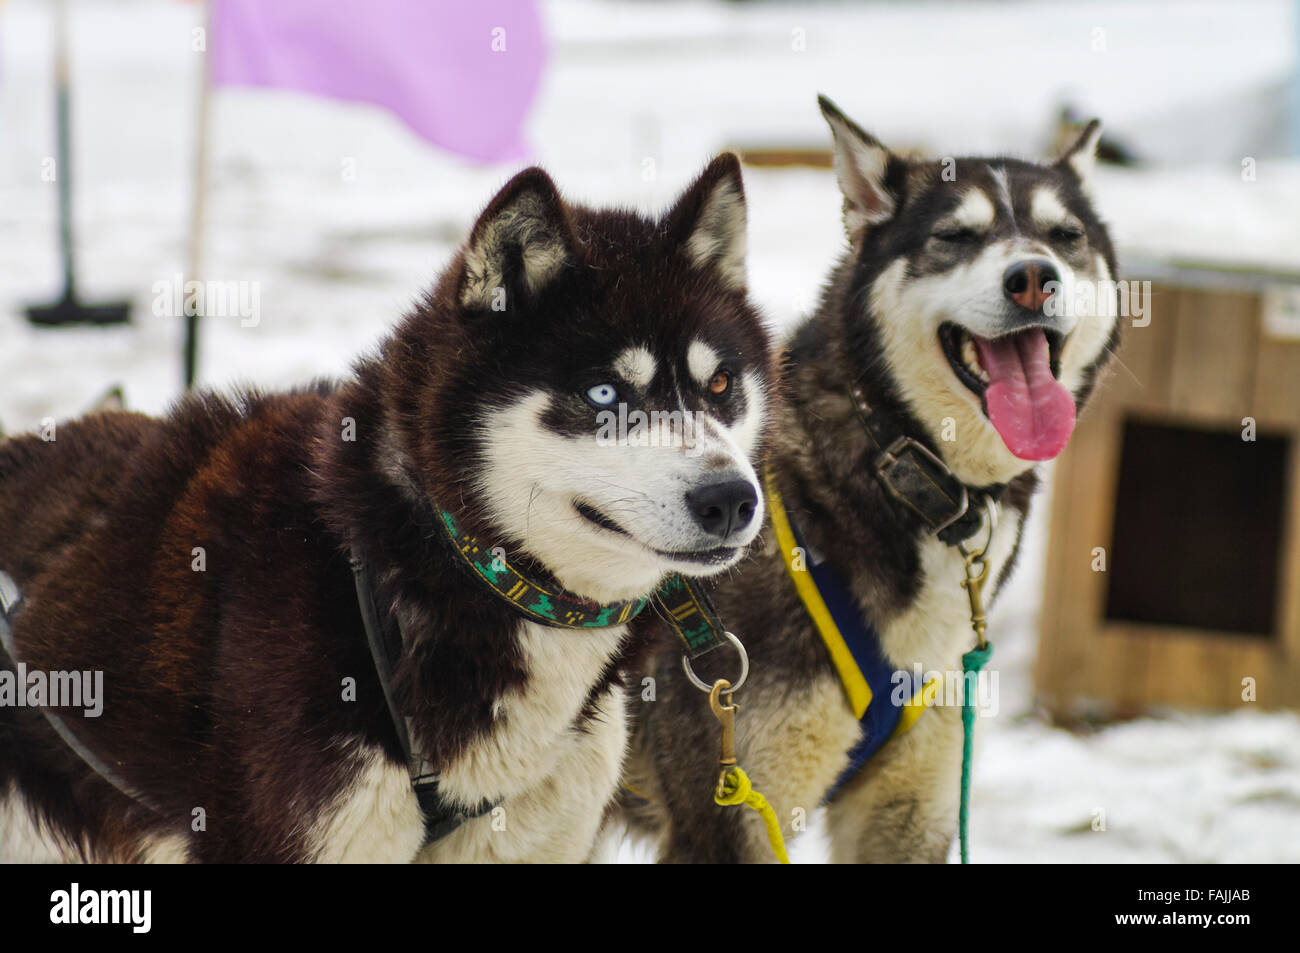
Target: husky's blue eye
pixel 602 395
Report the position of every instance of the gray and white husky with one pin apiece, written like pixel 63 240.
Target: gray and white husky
pixel 954 343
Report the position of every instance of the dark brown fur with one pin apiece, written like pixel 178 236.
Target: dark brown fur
pixel 223 687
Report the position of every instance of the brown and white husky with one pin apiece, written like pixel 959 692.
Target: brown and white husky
pixel 462 488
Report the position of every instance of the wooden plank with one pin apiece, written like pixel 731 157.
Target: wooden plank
pixel 1116 671
pixel 1138 378
pixel 1216 343
pixel 778 157
pixel 1063 612
pixel 1048 672
pixel 1275 403
pixel 1088 508
pixel 1203 669
pixel 1289 583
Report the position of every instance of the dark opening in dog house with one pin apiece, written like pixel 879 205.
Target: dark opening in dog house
pixel 1197 535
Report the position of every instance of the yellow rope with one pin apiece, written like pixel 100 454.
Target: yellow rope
pixel 737 789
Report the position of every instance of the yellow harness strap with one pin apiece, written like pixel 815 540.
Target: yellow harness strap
pixel 855 683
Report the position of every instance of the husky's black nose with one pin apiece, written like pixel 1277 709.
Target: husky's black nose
pixel 1026 282
pixel 723 508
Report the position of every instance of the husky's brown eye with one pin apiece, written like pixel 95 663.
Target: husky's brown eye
pixel 719 383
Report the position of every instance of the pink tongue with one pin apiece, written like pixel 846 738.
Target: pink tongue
pixel 1027 406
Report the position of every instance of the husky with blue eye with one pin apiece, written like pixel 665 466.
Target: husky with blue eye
pixel 384 620
pixel 954 343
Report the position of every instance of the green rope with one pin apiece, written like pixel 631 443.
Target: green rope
pixel 972 661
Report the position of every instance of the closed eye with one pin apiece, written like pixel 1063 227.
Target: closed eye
pixel 1065 233
pixel 957 236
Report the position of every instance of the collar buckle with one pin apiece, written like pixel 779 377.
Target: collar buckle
pixel 907 453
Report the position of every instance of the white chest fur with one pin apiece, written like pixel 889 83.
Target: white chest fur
pixel 934 630
pixel 533 727
pixel 553 779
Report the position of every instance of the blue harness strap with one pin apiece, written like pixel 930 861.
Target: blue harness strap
pixel 882 717
pixel 870 681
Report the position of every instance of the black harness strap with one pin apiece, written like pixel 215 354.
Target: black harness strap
pixel 384 636
pixel 10 603
pixel 385 640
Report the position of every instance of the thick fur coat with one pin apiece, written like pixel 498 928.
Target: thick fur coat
pixel 202 561
pixel 933 246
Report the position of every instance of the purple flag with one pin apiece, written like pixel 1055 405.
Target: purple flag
pixel 460 73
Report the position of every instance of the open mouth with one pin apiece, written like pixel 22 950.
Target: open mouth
pixel 703 557
pixel 1015 376
pixel 960 347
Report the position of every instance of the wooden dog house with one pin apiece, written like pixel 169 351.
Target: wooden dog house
pixel 1173 570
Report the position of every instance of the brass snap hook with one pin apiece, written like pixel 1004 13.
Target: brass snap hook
pixel 977 571
pixel 974 585
pixel 724 709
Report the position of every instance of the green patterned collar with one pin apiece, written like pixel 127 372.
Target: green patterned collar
pixel 550 606
pixel 684 604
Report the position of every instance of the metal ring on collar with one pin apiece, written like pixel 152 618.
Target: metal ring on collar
pixel 744 667
pixel 992 510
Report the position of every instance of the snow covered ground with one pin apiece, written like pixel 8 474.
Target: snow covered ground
pixel 336 258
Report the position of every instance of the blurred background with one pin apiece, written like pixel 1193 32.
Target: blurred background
pixel 338 209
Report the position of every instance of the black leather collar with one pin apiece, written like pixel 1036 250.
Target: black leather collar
pixel 925 490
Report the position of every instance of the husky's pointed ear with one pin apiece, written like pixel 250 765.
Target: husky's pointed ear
pixel 861 165
pixel 521 242
pixel 709 220
pixel 1080 157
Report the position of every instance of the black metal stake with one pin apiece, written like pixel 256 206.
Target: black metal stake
pixel 68 310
